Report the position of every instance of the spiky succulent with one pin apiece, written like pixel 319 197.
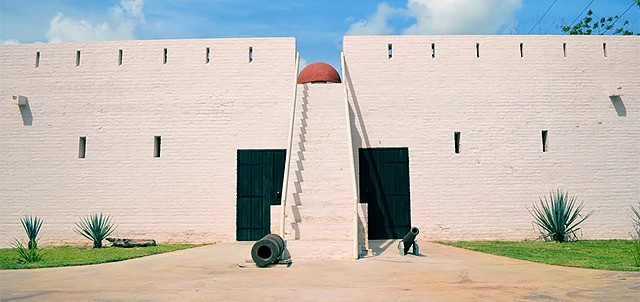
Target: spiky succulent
pixel 558 216
pixel 27 255
pixel 31 225
pixel 636 219
pixel 95 227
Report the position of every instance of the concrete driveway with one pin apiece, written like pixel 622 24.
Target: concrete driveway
pixel 212 273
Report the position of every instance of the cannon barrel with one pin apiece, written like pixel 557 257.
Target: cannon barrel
pixel 267 250
pixel 410 238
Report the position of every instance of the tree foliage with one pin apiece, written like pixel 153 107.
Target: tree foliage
pixel 592 25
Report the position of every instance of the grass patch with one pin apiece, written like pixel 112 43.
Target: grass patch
pixel 596 254
pixel 69 256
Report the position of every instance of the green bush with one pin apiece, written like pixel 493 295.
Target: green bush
pixel 558 217
pixel 95 227
pixel 31 225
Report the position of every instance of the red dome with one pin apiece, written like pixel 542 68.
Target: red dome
pixel 318 72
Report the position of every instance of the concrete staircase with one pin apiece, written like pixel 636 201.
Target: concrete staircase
pixel 319 222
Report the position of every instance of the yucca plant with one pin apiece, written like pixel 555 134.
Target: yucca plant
pixel 635 217
pixel 558 216
pixel 31 225
pixel 95 227
pixel 635 249
pixel 27 254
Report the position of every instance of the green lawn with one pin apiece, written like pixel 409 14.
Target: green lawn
pixel 68 255
pixel 597 254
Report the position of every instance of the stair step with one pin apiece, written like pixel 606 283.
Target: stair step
pixel 341 212
pixel 311 199
pixel 322 220
pixel 307 232
pixel 312 169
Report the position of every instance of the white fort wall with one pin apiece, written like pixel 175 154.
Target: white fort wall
pixel 203 112
pixel 500 102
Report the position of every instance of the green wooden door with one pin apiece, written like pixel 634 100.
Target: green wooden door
pixel 384 185
pixel 258 186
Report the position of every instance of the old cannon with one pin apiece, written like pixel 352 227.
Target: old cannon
pixel 409 241
pixel 268 250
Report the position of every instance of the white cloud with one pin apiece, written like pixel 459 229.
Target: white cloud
pixel 123 19
pixel 128 9
pixel 442 17
pixel 460 16
pixel 377 23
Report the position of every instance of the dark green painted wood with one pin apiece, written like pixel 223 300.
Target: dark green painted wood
pixel 384 185
pixel 258 186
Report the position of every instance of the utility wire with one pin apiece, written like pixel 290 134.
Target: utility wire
pixel 514 17
pixel 582 12
pixel 614 22
pixel 545 13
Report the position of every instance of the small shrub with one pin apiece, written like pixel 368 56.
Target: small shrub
pixel 95 227
pixel 27 255
pixel 31 225
pixel 558 217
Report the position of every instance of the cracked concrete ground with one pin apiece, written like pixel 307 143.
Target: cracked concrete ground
pixel 212 273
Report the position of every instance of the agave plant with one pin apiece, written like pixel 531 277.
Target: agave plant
pixel 31 225
pixel 95 227
pixel 635 251
pixel 27 254
pixel 636 220
pixel 558 216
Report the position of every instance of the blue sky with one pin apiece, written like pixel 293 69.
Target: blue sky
pixel 317 25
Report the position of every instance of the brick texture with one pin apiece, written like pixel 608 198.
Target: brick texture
pixel 203 112
pixel 500 102
pixel 319 221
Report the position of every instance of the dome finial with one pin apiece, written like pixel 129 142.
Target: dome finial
pixel 319 72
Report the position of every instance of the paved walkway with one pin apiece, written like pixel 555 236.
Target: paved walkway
pixel 212 273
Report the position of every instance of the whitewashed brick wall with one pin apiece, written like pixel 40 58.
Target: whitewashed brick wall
pixel 500 102
pixel 203 112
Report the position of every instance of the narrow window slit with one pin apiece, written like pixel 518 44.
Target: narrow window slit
pixel 165 57
pixel 456 141
pixel 37 59
pixel 208 55
pixel 157 141
pixel 604 49
pixel 77 58
pixel 544 140
pixel 250 54
pixel 119 57
pixel 477 50
pixel 521 50
pixel 564 49
pixel 82 147
pixel 433 50
pixel 390 50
